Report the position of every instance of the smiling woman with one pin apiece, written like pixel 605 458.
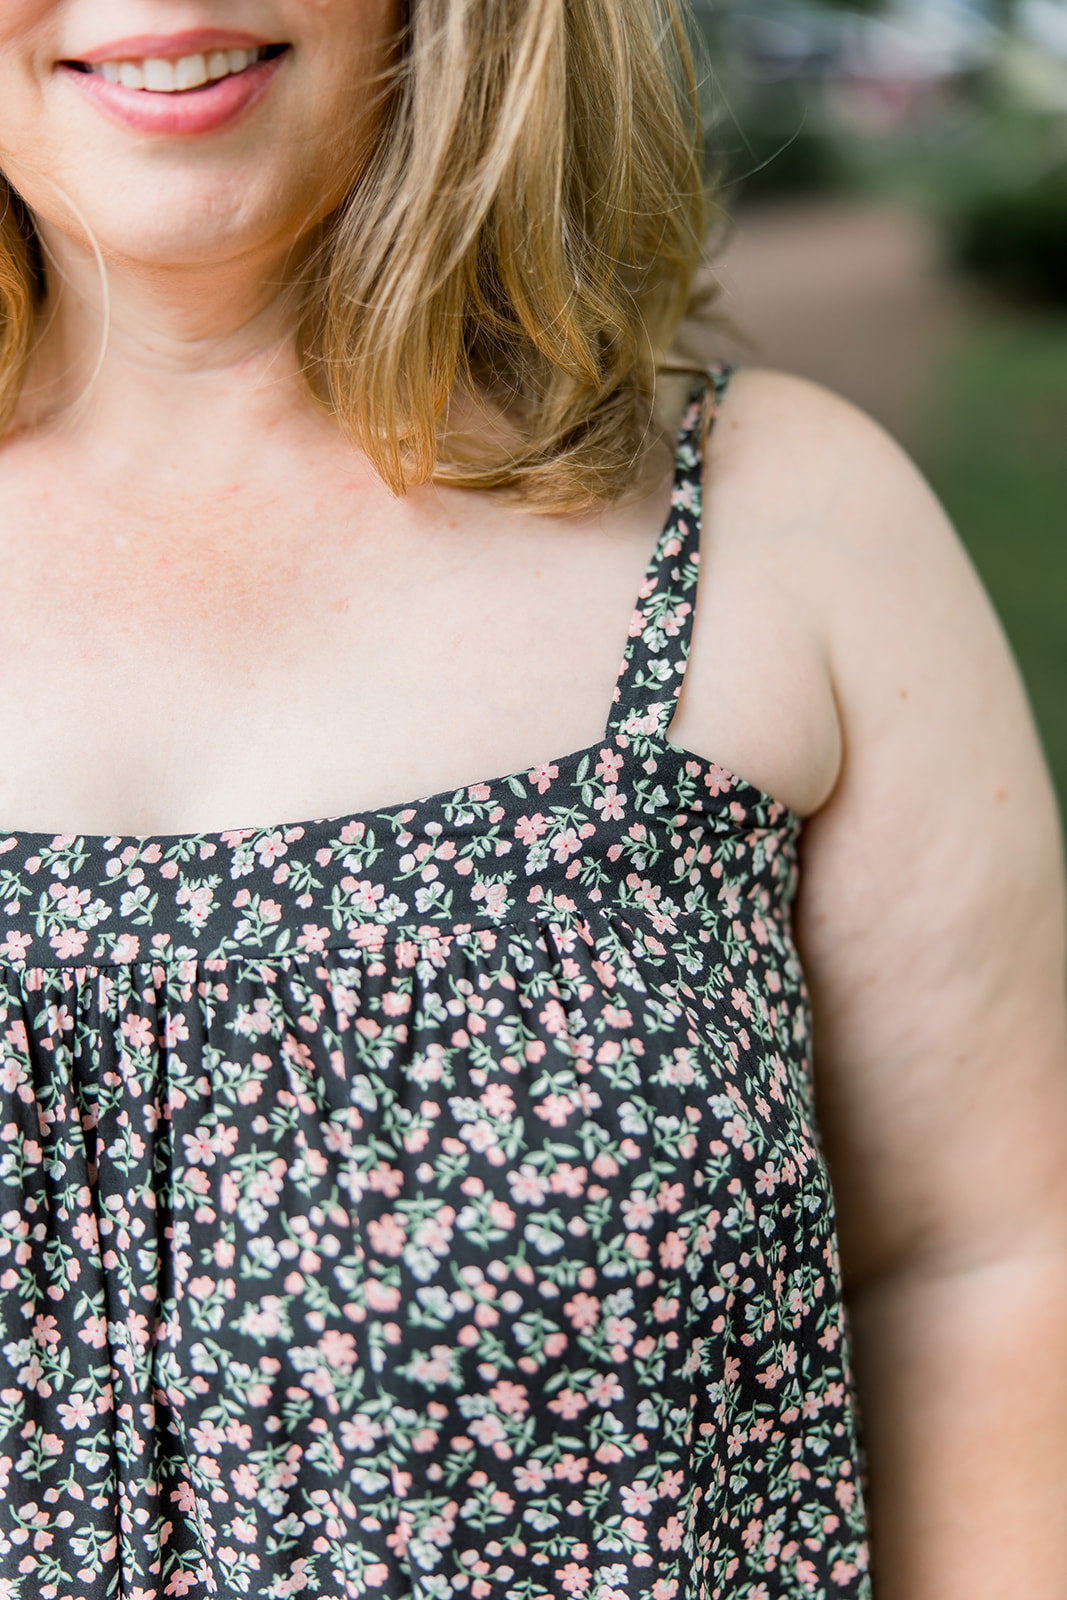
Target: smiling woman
pixel 463 1190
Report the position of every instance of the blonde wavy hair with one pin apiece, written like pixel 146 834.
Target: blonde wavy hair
pixel 490 304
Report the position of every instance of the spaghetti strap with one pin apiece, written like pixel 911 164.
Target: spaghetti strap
pixel 657 651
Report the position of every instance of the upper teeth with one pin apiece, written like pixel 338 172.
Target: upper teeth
pixel 167 77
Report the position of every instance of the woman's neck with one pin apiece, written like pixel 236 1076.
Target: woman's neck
pixel 132 359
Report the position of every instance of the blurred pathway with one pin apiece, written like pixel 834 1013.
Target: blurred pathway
pixel 854 294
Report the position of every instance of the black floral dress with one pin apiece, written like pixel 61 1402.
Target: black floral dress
pixel 427 1202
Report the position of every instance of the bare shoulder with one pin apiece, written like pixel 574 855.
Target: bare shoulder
pixel 816 525
pixel 806 461
pixel 804 483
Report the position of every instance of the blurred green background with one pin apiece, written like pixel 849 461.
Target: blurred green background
pixel 895 178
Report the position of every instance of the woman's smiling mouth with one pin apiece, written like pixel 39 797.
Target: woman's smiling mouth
pixel 160 75
pixel 187 84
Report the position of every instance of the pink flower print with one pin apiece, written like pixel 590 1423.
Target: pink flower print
pixel 71 942
pixel 338 1349
pixel 678 1072
pixel 670 1485
pixel 574 1579
pixel 583 1311
pixel 570 1468
pixel 435 1233
pixel 94 1332
pixel 136 1326
pixel 86 1231
pixel 639 1211
pixel 736 1131
pixel 76 1412
pixel 312 938
pixel 361 1433
pixel 718 781
pixel 741 1003
pixel 609 766
pixel 499 1101
pixel 224 1140
pixel 494 896
pixel 672 1251
pixel 387 1235
pixel 381 1296
pixel 365 895
pixel 175 1028
pixel 271 849
pixel 207 1438
pixel 543 775
pixel 555 1109
pixel 610 804
pixel 531 1477
pixel 553 1017
pixel 569 1180
pixel 199 1148
pixel 14 945
pixel 637 1499
pixel 568 1405
pixel 644 893
pixel 501 1214
pixel 511 1398
pixel 670 1535
pixel 750 1538
pixel 671 621
pixel 527 1185
pixel 487 1430
pixel 530 829
pixel 566 844
pixel 605 1389
pixel 182 1582
pixel 845 1494
pixel 200 902
pixel 619 1331
pixel 70 901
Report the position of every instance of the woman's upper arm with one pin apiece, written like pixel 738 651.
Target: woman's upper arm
pixel 930 916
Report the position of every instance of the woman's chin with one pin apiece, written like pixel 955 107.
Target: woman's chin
pixel 175 230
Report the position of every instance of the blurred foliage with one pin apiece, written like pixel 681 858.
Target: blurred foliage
pixel 1016 238
pixel 995 456
pixel 985 148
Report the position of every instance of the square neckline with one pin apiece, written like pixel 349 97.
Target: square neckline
pixel 698 419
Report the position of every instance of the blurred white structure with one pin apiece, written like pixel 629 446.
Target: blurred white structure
pixel 1044 24
pixel 891 66
pixel 1034 62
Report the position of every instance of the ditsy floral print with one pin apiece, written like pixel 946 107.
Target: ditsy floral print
pixel 428 1202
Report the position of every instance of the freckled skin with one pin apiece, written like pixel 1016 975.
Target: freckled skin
pixel 204 517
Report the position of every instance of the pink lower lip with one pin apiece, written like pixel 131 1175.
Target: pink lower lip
pixel 192 111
